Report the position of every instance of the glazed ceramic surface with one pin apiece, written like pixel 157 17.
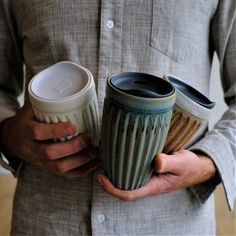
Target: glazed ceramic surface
pixel 65 92
pixel 190 117
pixel 134 126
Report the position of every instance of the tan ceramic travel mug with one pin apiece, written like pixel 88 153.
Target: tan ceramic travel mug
pixel 190 117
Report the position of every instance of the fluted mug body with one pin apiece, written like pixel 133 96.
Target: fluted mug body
pixel 190 117
pixel 65 92
pixel 134 128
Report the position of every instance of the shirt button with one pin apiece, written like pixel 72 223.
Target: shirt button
pixel 101 218
pixel 110 24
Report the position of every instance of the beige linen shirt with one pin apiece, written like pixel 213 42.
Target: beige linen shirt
pixel 158 37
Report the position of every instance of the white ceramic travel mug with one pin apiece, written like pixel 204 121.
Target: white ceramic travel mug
pixel 65 92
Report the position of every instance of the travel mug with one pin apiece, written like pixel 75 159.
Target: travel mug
pixel 136 117
pixel 65 92
pixel 190 116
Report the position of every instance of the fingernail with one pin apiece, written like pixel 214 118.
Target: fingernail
pixel 163 165
pixel 71 129
pixel 65 131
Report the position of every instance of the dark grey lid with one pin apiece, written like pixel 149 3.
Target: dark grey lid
pixel 142 85
pixel 191 92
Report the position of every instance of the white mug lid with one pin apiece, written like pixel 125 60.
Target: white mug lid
pixel 63 86
pixel 61 80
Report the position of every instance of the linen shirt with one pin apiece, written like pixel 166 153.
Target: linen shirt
pixel 157 37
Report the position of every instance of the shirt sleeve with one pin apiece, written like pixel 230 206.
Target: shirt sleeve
pixel 220 143
pixel 11 70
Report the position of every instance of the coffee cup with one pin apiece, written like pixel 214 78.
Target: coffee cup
pixel 190 116
pixel 65 92
pixel 136 117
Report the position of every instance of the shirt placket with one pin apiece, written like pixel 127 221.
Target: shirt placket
pixel 110 47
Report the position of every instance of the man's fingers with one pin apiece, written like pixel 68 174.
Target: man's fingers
pixel 176 171
pixel 81 171
pixel 43 131
pixel 53 151
pixel 66 164
pixel 128 195
pixel 164 163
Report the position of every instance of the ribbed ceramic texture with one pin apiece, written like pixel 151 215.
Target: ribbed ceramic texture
pixel 182 128
pixel 130 141
pixel 84 118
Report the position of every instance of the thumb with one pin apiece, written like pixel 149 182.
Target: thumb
pixel 160 163
pixel 168 163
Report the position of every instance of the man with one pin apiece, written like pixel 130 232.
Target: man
pixel 57 191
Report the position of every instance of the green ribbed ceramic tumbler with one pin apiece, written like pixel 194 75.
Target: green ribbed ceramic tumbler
pixel 136 118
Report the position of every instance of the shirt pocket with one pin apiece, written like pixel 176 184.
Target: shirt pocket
pixel 180 27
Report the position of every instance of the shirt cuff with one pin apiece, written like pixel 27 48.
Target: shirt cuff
pixel 11 164
pixel 224 163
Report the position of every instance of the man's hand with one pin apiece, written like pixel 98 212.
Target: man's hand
pixel 23 137
pixel 179 170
